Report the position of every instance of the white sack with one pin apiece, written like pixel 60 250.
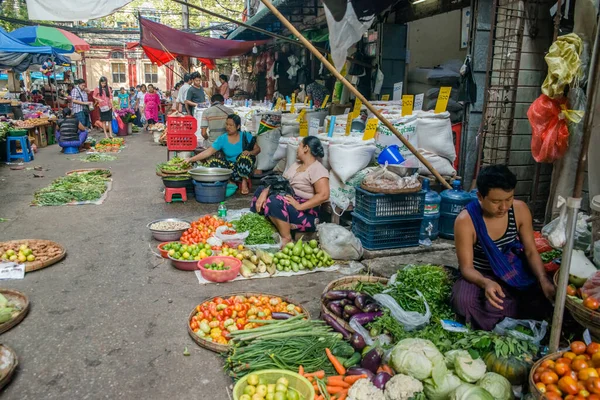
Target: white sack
pixel 268 143
pixel 347 159
pixel 434 132
pixel 441 164
pixel 407 128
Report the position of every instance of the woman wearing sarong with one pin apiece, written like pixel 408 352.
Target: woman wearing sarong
pixel 502 274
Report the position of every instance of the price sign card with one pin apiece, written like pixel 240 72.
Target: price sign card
pixel 356 109
pixel 313 127
pixel 407 104
pixel 419 102
pixel 349 124
pixel 303 127
pixel 442 100
pixel 397 91
pixel 301 115
pixel 385 97
pixel 325 102
pixel 371 129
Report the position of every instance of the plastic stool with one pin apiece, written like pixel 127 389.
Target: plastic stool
pixel 161 119
pixel 26 152
pixel 169 192
pixel 71 150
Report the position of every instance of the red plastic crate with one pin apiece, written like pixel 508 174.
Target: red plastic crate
pixel 177 125
pixel 181 141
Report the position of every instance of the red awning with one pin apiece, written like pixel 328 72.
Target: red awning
pixel 160 57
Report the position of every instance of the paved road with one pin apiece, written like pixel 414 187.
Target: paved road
pixel 109 322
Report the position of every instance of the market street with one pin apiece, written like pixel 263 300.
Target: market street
pixel 109 321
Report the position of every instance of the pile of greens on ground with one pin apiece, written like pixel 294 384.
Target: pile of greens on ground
pixel 72 188
pixel 97 157
pixel 261 230
pixel 4 128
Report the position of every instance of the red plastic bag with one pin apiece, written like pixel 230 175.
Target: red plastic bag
pixel 551 266
pixel 550 136
pixel 542 245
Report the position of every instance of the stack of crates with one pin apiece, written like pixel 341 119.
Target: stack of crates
pixel 388 221
pixel 181 133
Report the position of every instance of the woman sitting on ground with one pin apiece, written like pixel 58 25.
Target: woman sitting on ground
pixel 310 181
pixel 70 129
pixel 231 143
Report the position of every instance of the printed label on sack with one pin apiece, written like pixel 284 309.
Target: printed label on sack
pixel 432 208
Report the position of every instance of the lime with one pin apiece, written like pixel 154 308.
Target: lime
pixel 250 390
pixel 177 255
pixel 252 380
pixel 30 257
pixel 209 252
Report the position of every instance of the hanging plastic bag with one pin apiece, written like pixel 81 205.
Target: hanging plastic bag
pixel 556 230
pixel 410 320
pixel 115 125
pixel 550 135
pixel 119 121
pixel 508 327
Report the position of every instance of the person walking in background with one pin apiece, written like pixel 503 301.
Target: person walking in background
pixel 139 105
pixel 187 83
pixel 80 104
pixel 151 105
pixel 103 97
pixel 123 98
pixel 317 93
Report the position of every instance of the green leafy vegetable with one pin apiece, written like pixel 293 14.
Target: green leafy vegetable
pixel 550 255
pixel 72 188
pixel 100 157
pixel 261 230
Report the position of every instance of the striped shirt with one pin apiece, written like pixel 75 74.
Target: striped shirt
pixel 69 129
pixel 480 260
pixel 214 119
pixel 79 95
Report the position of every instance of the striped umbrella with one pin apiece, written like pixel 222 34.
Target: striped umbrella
pixel 59 39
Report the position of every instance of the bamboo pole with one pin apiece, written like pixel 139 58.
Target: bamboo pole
pixel 358 95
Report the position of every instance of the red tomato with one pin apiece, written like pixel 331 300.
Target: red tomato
pixel 578 347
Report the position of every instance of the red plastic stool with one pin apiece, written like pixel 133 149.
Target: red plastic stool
pixel 169 192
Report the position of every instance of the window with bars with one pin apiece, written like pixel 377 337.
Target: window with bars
pixel 117 55
pixel 150 73
pixel 119 74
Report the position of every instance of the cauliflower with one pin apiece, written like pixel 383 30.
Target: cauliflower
pixel 403 387
pixel 363 389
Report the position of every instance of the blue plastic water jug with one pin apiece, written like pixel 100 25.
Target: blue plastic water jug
pixel 431 215
pixel 453 202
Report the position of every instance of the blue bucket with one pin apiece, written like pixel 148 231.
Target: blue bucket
pixel 391 155
pixel 210 192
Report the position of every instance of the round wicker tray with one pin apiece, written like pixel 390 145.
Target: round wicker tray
pixel 347 283
pixel 75 171
pixel 31 266
pixel 180 172
pixel 22 301
pixel 532 389
pixel 373 189
pixel 223 348
pixel 7 372
pixel 587 318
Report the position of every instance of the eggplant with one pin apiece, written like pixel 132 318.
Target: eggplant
pixel 381 379
pixel 371 307
pixel 357 341
pixel 365 318
pixel 360 371
pixel 351 310
pixel 346 316
pixel 361 301
pixel 352 294
pixel 336 326
pixel 345 302
pixel 335 295
pixel 335 308
pixel 372 360
pixel 281 315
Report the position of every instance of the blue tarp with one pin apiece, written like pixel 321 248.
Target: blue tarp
pixel 9 44
pixel 18 56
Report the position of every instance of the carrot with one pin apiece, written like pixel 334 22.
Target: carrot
pixel 301 370
pixel 319 398
pixel 317 374
pixel 337 381
pixel 336 389
pixel 351 379
pixel 310 378
pixel 388 369
pixel 342 396
pixel 336 364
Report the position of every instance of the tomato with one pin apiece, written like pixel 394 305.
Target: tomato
pixel 541 387
pixel 562 368
pixel 592 348
pixel 548 364
pixel 568 385
pixel 596 359
pixel 594 397
pixel 593 385
pixel 553 388
pixel 587 373
pixel 579 364
pixel 552 396
pixel 564 360
pixel 591 303
pixel 578 347
pixel 549 377
pixel 569 354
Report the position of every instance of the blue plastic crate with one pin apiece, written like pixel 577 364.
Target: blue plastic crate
pixel 5 108
pixel 379 207
pixel 386 235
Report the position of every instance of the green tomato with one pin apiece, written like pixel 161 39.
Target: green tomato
pixel 253 379
pixel 283 381
pixel 261 390
pixel 271 388
pixel 256 396
pixel 245 397
pixel 292 395
pixel 313 243
pixel 177 255
pixel 250 390
pixel 280 396
pixel 270 396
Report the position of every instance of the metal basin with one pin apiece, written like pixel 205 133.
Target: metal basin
pixel 167 236
pixel 402 170
pixel 203 174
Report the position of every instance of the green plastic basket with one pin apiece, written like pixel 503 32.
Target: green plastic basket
pixel 17 132
pixel 297 382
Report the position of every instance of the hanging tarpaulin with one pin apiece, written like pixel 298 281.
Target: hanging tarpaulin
pixel 69 10
pixel 347 21
pixel 162 57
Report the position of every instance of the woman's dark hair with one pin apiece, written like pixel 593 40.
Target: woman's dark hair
pixel 236 120
pixel 315 146
pixel 66 112
pixel 495 177
pixel 79 81
pixel 217 97
pixel 224 77
pixel 106 91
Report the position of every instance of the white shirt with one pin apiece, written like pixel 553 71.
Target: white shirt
pixel 183 95
pixel 140 97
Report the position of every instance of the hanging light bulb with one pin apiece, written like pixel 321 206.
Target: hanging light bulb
pixel 255 49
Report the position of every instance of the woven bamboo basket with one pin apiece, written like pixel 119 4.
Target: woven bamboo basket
pixel 179 172
pixel 587 318
pixel 78 171
pixel 374 189
pixel 532 389
pixel 7 372
pixel 348 282
pixel 14 296
pixel 31 266
pixel 223 348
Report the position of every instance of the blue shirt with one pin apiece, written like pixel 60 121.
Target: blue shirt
pixel 123 100
pixel 232 151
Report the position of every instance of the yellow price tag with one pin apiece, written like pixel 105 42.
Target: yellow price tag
pixel 408 101
pixel 385 97
pixel 325 102
pixel 306 101
pixel 293 106
pixel 371 129
pixel 442 100
pixel 349 124
pixel 303 127
pixel 357 106
pixel 301 115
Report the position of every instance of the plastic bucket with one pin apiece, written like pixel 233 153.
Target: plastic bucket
pixel 391 155
pixel 210 192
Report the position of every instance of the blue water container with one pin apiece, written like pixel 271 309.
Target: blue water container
pixel 431 214
pixel 473 194
pixel 453 202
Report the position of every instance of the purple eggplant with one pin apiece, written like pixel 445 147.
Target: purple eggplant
pixel 281 315
pixel 336 326
pixel 372 360
pixel 361 301
pixel 335 295
pixel 360 371
pixel 351 310
pixel 357 341
pixel 371 307
pixel 353 294
pixel 381 379
pixel 365 318
pixel 335 308
pixel 345 302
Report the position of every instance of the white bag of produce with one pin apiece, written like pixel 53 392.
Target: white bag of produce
pixel 507 327
pixel 434 132
pixel 410 320
pixel 268 142
pixel 232 240
pixel 292 152
pixel 281 151
pixel 441 164
pixel 343 194
pixel 407 126
pixel 290 127
pixel 339 242
pixel 349 158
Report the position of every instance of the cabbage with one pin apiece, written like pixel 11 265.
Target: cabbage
pixel 466 391
pixel 497 385
pixel 442 389
pixel 416 357
pixel 469 370
pixel 450 357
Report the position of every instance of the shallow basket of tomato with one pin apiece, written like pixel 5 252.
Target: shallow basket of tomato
pixel 585 316
pixel 220 276
pixel 296 382
pixel 222 348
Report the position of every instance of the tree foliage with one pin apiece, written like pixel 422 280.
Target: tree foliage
pixel 12 9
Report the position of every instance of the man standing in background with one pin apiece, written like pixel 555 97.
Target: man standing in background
pixel 213 119
pixel 181 98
